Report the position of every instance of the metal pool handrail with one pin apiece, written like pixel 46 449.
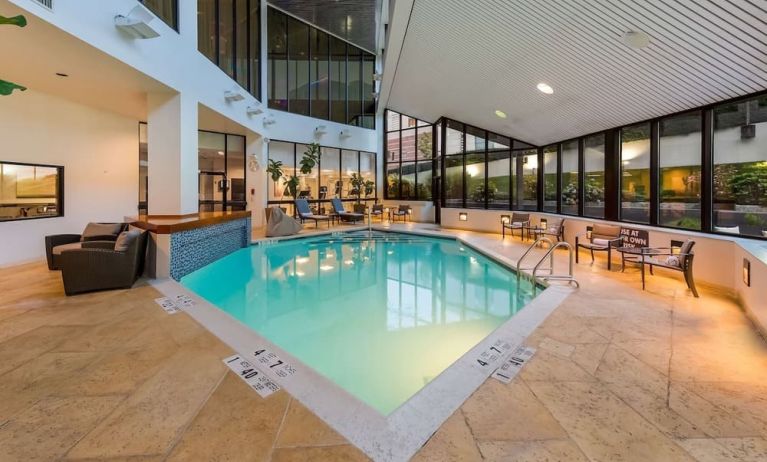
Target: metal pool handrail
pixel 529 249
pixel 558 277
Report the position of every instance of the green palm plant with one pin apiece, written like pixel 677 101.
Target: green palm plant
pixel 6 88
pixel 310 159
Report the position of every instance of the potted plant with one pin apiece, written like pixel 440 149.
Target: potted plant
pixel 6 88
pixel 310 159
pixel 369 187
pixel 358 183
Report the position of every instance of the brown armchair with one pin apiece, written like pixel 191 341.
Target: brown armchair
pixel 58 243
pixel 603 238
pixel 665 257
pixel 518 221
pixel 104 265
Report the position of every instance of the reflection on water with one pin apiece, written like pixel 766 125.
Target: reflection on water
pixel 379 317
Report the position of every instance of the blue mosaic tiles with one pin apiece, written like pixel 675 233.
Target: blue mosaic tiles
pixel 191 250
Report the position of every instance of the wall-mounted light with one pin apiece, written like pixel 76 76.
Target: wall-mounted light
pixel 589 232
pixel 463 216
pixel 136 23
pixel 320 130
pixel 345 134
pixel 254 110
pixel 544 223
pixel 231 96
pixel 269 120
pixel 377 77
pixel 746 272
pixel 505 219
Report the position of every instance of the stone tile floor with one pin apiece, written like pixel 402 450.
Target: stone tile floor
pixel 619 375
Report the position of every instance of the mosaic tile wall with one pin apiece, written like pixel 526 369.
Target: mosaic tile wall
pixel 191 250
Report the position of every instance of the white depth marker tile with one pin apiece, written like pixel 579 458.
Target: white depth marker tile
pixel 514 364
pixel 251 375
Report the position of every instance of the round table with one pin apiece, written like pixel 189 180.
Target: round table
pixel 637 255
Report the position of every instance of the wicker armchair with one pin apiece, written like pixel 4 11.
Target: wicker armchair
pixel 73 241
pixel 98 266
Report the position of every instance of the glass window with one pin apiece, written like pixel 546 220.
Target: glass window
pixel 424 178
pixel 368 173
pixel 226 36
pixel 529 199
pixel 393 147
pixel 424 142
pixel 476 190
pixel 320 68
pixel 30 191
pixel 408 145
pixel 167 10
pixel 281 152
pixel 309 182
pixel 368 88
pixel 207 30
pixel 407 178
pixel 740 168
pixel 298 67
pixel 143 169
pixel 392 181
pixel 349 166
pixel 278 60
pixel 330 177
pixel 454 181
pixel 255 48
pixel 680 160
pixel 241 57
pixel 635 173
pixel 338 80
pixel 498 172
pixel 550 178
pixel 594 160
pixel 453 138
pixel 392 121
pixel 354 88
pixel 235 172
pixel 211 162
pixel 570 178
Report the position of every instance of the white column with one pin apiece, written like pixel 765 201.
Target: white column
pixel 172 146
pixel 256 180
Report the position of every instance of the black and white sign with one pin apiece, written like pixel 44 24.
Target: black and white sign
pixel 635 238
pixel 251 375
pixel 488 358
pixel 168 305
pixel 269 360
pixel 184 301
pixel 514 364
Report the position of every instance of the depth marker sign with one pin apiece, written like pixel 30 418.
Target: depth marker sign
pixel 514 364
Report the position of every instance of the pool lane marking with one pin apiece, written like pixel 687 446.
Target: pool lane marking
pixel 514 363
pixel 250 374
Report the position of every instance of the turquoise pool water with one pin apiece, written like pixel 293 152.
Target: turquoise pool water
pixel 379 316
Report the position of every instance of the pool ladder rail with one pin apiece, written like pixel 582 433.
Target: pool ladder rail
pixel 551 276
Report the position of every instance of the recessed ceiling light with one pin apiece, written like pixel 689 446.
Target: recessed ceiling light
pixel 545 88
pixel 500 113
pixel 636 39
pixel 61 74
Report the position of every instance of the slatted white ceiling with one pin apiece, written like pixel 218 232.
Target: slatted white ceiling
pixel 465 59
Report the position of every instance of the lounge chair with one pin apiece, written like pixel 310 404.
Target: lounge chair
pixel 338 208
pixel 664 257
pixel 57 243
pixel 403 211
pixel 603 238
pixel 305 213
pixel 104 264
pixel 518 221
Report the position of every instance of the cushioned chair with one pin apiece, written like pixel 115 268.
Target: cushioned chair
pixel 555 227
pixel 104 265
pixel 517 221
pixel 305 213
pixel 403 212
pixel 378 211
pixel 681 261
pixel 57 243
pixel 603 239
pixel 338 208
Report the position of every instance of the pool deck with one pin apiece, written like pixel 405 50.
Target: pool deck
pixel 619 374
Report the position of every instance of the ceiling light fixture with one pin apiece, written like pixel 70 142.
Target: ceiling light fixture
pixel 545 88
pixel 499 113
pixel 636 39
pixel 137 23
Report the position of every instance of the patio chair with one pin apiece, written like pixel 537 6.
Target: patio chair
pixel 377 211
pixel 338 208
pixel 518 221
pixel 104 264
pixel 664 257
pixel 403 211
pixel 603 238
pixel 555 227
pixel 305 213
pixel 57 243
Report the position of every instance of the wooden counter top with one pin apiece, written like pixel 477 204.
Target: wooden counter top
pixel 169 224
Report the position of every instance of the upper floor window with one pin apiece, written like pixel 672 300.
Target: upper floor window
pixel 167 10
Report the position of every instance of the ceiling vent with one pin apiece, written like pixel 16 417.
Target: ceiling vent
pixel 46 3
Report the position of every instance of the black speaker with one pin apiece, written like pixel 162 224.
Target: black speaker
pixel 747 131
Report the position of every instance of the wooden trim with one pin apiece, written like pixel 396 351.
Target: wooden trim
pixel 174 224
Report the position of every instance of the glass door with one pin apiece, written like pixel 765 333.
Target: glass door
pixel 212 189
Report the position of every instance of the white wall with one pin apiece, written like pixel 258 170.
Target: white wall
pixel 99 152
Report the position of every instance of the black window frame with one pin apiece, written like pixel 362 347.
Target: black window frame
pixel 173 24
pixel 59 190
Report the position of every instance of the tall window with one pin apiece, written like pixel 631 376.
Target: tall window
pixel 408 162
pixel 594 163
pixel 314 73
pixel 30 191
pixel 529 184
pixel 476 188
pixel 570 178
pixel 740 168
pixel 453 164
pixel 498 171
pixel 228 33
pixel 550 172
pixel 167 10
pixel 635 173
pixel 221 176
pixel 680 160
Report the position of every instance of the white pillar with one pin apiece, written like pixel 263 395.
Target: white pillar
pixel 256 179
pixel 172 145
